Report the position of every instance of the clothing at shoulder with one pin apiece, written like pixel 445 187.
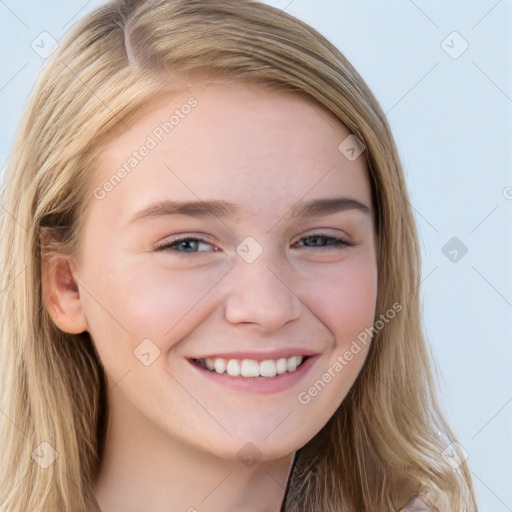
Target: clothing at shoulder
pixel 427 500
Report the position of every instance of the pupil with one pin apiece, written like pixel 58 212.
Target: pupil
pixel 188 245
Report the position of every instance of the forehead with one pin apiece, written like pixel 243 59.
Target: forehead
pixel 241 142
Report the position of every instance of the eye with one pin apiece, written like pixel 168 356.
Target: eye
pixel 186 245
pixel 321 241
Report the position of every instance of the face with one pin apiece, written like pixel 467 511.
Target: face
pixel 241 237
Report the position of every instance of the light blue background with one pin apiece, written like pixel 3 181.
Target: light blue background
pixel 452 120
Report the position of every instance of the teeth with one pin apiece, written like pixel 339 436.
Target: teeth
pixel 219 365
pixel 281 365
pixel 268 368
pixel 233 368
pixel 250 367
pixel 292 363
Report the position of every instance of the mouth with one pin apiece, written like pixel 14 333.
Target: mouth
pixel 256 372
pixel 252 368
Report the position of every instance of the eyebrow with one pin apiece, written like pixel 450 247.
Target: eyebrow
pixel 224 209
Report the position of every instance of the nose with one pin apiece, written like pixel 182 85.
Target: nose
pixel 261 296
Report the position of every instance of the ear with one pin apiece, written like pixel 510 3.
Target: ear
pixel 60 294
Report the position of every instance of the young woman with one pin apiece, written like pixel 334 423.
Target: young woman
pixel 210 279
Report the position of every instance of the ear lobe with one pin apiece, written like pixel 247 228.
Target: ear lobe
pixel 61 296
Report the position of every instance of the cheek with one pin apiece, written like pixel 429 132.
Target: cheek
pixel 133 302
pixel 345 305
pixel 345 302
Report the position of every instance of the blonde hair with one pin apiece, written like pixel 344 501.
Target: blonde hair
pixel 386 439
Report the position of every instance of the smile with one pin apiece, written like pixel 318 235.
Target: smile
pixel 251 368
pixel 256 374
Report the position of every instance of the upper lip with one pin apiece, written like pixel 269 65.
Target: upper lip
pixel 260 356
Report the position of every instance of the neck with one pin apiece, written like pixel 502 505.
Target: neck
pixel 144 468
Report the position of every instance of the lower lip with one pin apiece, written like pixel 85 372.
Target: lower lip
pixel 263 385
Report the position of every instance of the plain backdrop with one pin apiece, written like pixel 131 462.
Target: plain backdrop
pixel 442 72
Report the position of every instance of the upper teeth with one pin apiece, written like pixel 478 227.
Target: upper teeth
pixel 251 367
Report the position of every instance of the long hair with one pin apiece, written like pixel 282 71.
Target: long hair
pixel 388 436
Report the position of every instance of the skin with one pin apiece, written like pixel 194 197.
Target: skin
pixel 174 436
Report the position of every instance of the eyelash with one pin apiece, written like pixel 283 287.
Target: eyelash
pixel 171 246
